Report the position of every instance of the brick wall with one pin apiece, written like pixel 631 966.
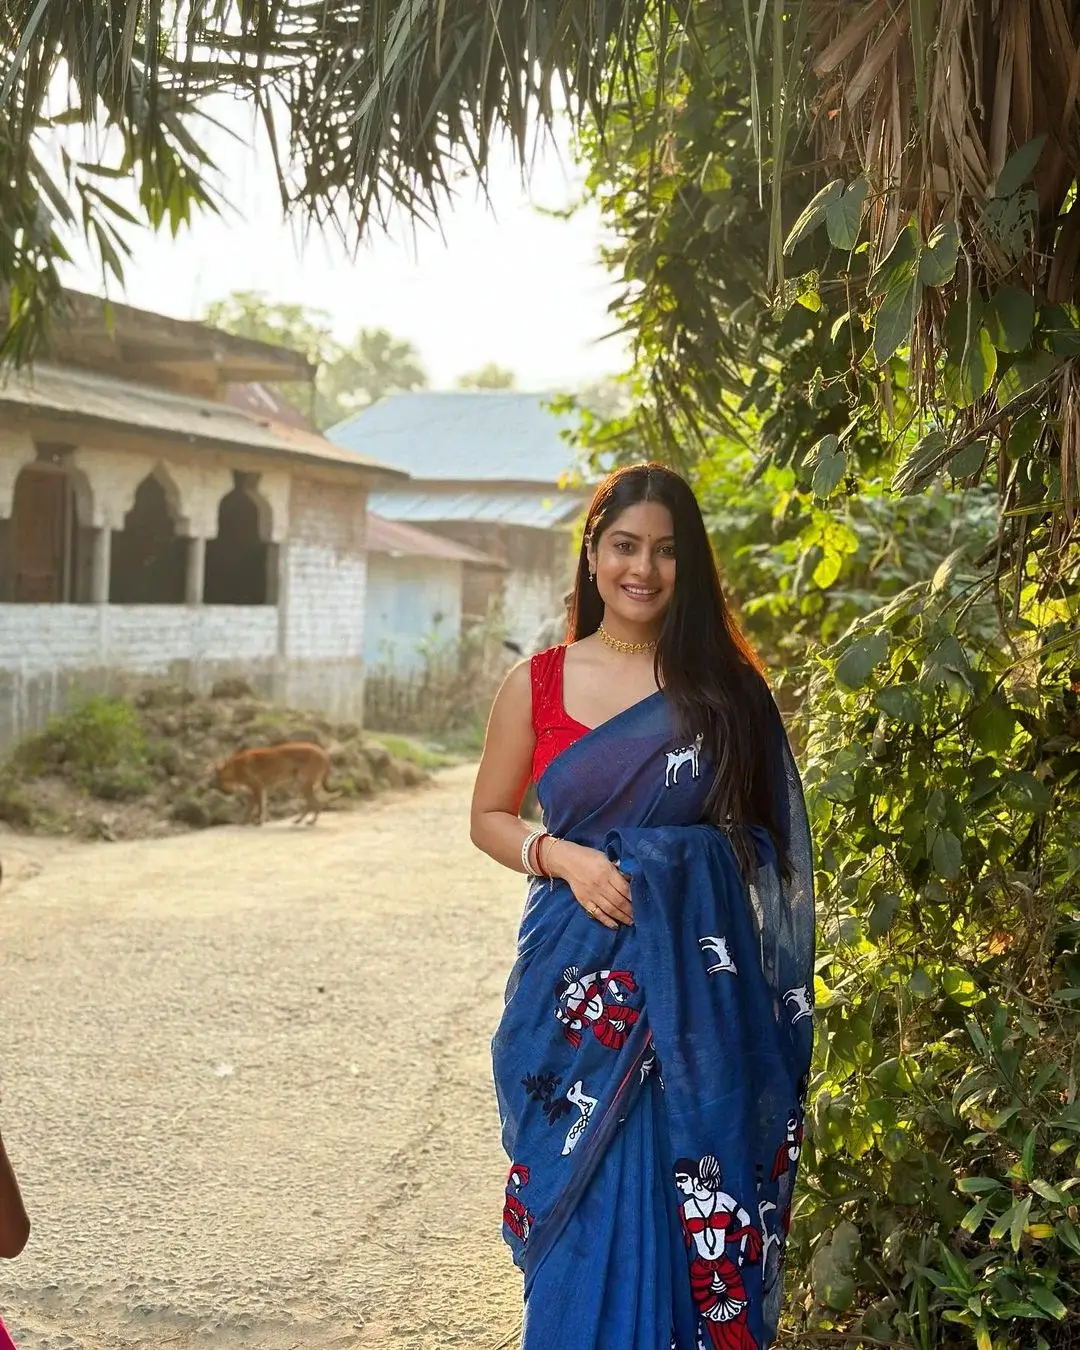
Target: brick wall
pixel 323 573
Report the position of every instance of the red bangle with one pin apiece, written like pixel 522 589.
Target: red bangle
pixel 538 855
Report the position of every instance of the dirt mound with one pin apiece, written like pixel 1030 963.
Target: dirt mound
pixel 128 768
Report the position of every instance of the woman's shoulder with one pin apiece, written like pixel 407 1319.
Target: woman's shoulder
pixel 544 662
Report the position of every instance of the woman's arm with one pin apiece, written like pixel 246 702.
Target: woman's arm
pixel 497 828
pixel 14 1224
pixel 495 825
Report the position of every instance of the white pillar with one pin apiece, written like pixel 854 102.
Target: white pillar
pixel 101 566
pixel 196 570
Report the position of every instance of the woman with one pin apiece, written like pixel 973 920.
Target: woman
pixel 659 1010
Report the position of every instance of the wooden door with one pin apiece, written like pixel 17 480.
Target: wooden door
pixel 40 518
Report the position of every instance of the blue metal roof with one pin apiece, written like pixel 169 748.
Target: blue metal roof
pixel 471 436
pixel 542 509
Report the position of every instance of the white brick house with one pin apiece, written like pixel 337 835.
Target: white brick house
pixel 150 527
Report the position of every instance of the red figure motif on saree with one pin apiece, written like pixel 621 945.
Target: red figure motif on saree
pixel 720 1239
pixel 597 1002
pixel 787 1155
pixel 516 1217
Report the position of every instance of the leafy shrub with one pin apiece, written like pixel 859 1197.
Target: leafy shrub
pixel 101 733
pixel 942 1143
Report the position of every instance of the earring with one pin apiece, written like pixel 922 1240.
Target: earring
pixel 592 576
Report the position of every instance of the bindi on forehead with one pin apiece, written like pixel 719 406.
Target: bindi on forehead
pixel 637 538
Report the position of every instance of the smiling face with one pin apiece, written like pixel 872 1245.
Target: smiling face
pixel 634 561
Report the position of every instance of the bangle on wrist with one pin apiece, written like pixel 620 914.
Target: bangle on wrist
pixel 543 870
pixel 526 851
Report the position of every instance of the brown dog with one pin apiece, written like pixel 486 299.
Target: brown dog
pixel 260 771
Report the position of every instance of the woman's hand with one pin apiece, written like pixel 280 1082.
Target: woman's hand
pixel 597 884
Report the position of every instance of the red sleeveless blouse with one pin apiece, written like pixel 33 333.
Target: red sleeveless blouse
pixel 553 726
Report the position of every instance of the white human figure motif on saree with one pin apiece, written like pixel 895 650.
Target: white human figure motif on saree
pixel 688 754
pixel 800 1002
pixel 578 1097
pixel 718 946
pixel 769 1240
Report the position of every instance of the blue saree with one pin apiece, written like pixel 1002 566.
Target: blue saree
pixel 651 1080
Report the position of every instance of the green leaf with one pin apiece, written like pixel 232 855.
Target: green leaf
pixel 1019 1221
pixel 993 725
pixel 947 855
pixel 1046 1300
pixel 968 460
pixel 1027 1154
pixel 893 321
pixel 900 702
pixel 899 263
pixel 1019 167
pixel 827 570
pixel 959 986
pixel 969 377
pixel 1010 318
pixel 962 324
pixel 975 1215
pixel 856 665
pixel 883 915
pixel 921 463
pixel 978 1185
pixel 838 787
pixel 1024 374
pixel 1024 792
pixel 1066 1231
pixel 1060 327
pixel 715 175
pixel 1051 1193
pixel 937 261
pixel 946 664
pixel 831 1269
pixel 1004 1222
pixel 813 214
pixel 894 1144
pixel 920 985
pixel 843 215
pixel 830 470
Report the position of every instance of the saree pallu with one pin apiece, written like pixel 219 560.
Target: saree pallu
pixel 651 1080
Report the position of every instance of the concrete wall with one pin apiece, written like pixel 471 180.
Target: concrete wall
pixel 51 655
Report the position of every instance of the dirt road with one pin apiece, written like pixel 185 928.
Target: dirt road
pixel 245 1081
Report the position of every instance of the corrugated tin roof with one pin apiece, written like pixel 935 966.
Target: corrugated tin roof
pixel 81 395
pixel 476 435
pixel 539 509
pixel 265 401
pixel 397 539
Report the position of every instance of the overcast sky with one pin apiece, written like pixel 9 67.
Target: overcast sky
pixel 508 285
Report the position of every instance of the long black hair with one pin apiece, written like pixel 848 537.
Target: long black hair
pixel 706 667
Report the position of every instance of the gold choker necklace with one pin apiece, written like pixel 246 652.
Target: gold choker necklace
pixel 627 648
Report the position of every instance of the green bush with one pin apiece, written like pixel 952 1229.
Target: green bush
pixel 944 1131
pixel 101 733
pixel 120 782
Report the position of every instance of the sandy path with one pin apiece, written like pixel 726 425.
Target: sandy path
pixel 246 1083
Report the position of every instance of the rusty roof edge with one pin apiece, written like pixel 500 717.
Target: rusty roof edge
pixel 372 470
